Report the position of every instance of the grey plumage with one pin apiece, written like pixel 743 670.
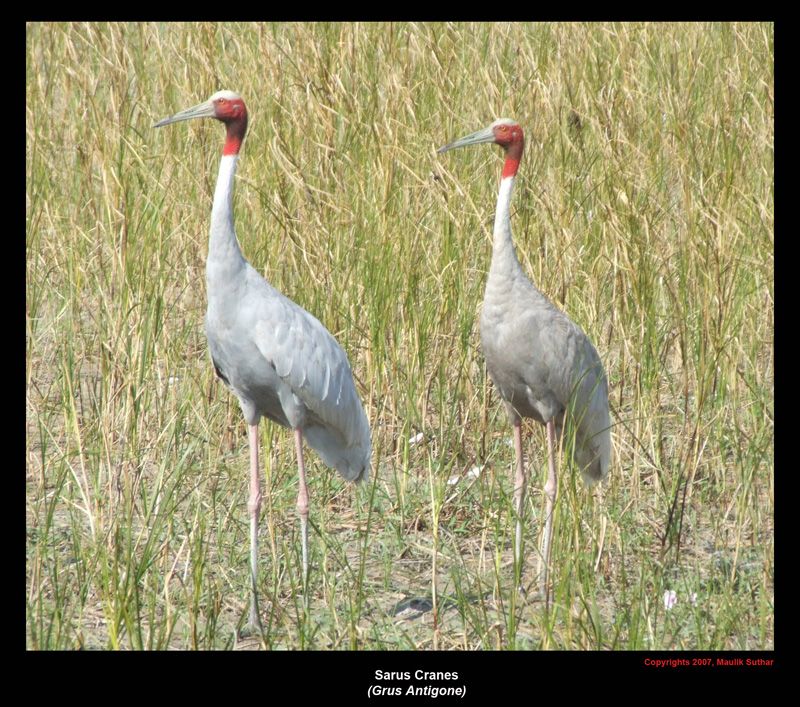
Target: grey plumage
pixel 543 365
pixel 282 363
pixel 279 360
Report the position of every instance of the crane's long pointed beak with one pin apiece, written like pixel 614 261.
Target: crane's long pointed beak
pixel 485 135
pixel 201 110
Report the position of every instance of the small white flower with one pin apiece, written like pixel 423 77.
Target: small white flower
pixel 416 439
pixel 472 473
pixel 670 599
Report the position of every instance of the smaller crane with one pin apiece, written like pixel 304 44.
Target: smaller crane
pixel 542 364
pixel 278 359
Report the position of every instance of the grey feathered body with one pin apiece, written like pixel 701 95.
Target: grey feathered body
pixel 277 358
pixel 542 364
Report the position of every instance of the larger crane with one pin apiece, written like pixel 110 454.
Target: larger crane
pixel 279 360
pixel 543 365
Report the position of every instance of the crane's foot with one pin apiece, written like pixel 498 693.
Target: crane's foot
pixel 254 629
pixel 250 632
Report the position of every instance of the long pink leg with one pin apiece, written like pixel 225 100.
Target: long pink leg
pixel 302 506
pixel 550 491
pixel 254 507
pixel 519 491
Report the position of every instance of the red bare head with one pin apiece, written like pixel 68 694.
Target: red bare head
pixel 504 132
pixel 226 106
pixel 508 134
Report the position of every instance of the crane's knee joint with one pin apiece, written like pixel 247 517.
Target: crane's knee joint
pixel 254 505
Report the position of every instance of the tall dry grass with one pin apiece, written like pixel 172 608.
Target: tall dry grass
pixel 644 208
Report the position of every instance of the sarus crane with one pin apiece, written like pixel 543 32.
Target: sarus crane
pixel 542 364
pixel 279 360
